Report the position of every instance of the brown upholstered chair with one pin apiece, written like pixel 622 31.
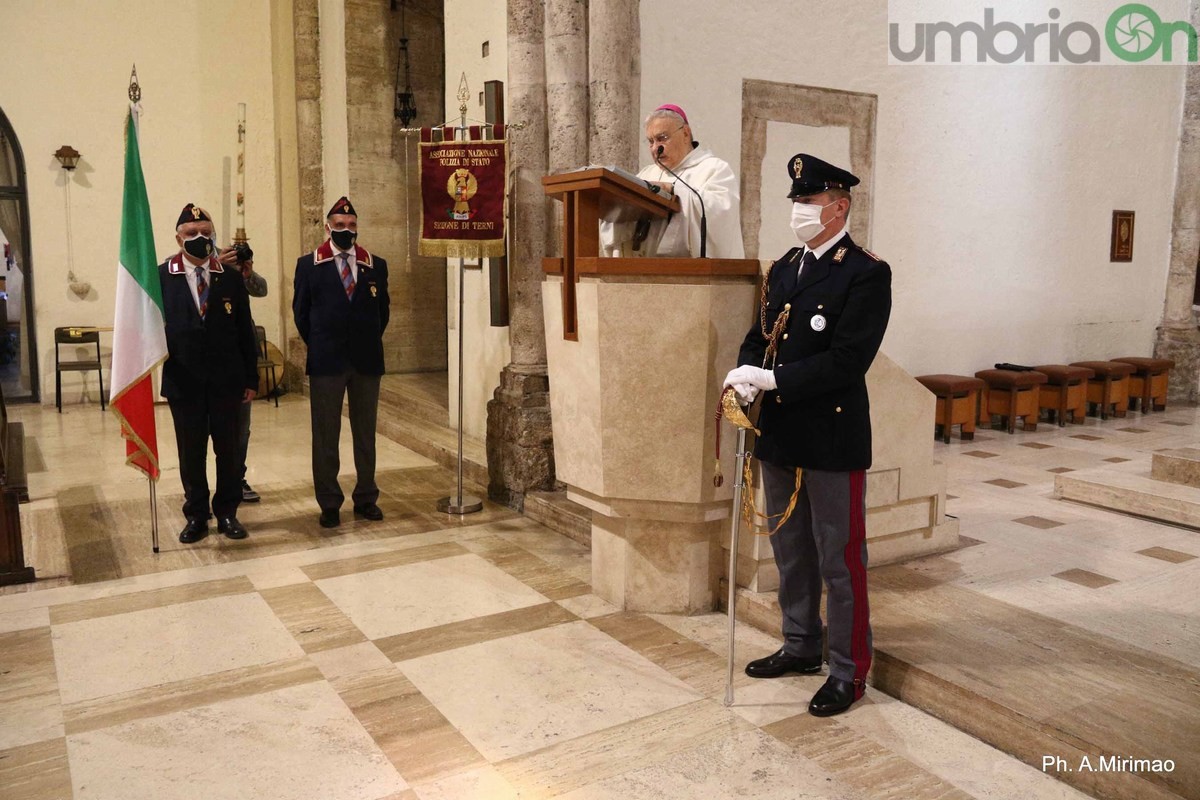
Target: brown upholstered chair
pixel 1148 383
pixel 957 402
pixel 1010 394
pixel 1065 390
pixel 1109 387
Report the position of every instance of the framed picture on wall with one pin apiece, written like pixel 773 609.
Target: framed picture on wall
pixel 1121 248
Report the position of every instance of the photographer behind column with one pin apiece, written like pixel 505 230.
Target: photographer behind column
pixel 241 256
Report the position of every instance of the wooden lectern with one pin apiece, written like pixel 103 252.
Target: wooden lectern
pixel 591 195
pixel 636 349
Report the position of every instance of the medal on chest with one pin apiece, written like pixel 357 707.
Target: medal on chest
pixel 817 322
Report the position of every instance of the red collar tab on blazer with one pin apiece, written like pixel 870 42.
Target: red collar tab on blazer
pixel 175 265
pixel 325 253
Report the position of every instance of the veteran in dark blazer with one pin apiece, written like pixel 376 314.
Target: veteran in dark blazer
pixel 824 311
pixel 210 372
pixel 340 306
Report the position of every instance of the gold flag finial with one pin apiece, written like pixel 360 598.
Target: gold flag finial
pixel 135 91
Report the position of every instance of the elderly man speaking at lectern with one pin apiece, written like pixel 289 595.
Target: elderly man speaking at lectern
pixel 680 163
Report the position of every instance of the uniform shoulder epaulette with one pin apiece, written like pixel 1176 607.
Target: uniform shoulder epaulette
pixel 869 254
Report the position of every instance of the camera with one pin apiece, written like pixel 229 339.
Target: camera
pixel 244 253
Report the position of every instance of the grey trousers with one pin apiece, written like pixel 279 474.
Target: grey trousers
pixel 824 541
pixel 326 393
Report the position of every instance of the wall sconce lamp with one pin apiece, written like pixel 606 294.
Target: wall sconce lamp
pixel 67 156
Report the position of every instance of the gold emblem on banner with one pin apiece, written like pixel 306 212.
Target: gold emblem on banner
pixel 461 186
pixel 228 307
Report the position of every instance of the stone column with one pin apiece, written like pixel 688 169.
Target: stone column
pixel 566 95
pixel 312 177
pixel 614 74
pixel 520 451
pixel 1178 337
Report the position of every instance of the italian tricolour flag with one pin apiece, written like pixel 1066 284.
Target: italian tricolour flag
pixel 139 340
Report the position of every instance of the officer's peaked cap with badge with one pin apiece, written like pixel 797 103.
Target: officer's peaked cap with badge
pixel 192 213
pixel 342 206
pixel 811 175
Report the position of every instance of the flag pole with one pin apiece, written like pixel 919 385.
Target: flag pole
pixel 153 514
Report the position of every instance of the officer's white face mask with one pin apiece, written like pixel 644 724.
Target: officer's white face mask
pixel 806 220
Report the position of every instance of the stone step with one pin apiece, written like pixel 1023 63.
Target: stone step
pixel 1177 466
pixel 1131 493
pixel 561 515
pixel 436 442
pixel 413 404
pixel 1012 677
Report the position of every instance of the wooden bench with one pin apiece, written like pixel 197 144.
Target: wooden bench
pixel 1109 387
pixel 1065 391
pixel 1010 394
pixel 14 489
pixel 1148 383
pixel 957 403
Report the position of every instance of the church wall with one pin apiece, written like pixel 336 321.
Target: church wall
pixel 486 350
pixel 63 81
pixel 994 185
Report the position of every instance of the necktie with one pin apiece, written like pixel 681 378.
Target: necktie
pixel 202 291
pixel 791 277
pixel 809 259
pixel 347 276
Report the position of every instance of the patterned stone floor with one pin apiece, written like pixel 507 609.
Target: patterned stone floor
pixel 417 658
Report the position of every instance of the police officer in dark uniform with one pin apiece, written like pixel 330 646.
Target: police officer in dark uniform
pixel 340 306
pixel 825 309
pixel 210 372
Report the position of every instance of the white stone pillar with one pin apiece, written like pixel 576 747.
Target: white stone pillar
pixel 566 96
pixel 615 80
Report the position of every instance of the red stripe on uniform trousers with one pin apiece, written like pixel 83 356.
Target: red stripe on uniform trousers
pixel 858 582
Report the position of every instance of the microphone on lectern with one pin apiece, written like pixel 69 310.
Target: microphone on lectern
pixel 703 215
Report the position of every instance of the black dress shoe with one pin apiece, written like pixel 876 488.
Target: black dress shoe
pixel 781 663
pixel 368 511
pixel 248 494
pixel 231 528
pixel 330 518
pixel 833 698
pixel 194 531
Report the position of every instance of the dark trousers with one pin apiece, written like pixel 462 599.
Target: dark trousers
pixel 197 419
pixel 326 393
pixel 244 433
pixel 824 541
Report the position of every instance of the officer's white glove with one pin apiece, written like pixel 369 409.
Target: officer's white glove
pixel 745 393
pixel 762 379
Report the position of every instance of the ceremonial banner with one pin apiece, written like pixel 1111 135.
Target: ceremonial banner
pixel 139 338
pixel 464 196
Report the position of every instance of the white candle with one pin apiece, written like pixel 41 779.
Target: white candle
pixel 241 171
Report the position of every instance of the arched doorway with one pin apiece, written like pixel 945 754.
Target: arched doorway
pixel 18 346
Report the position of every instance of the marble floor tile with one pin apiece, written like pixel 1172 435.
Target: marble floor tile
pixel 117 709
pixel 29 696
pixel 123 652
pixel 145 600
pixel 298 743
pixel 38 771
pixel 543 687
pixel 24 619
pixel 309 615
pixel 574 763
pixel 349 661
pixel 394 600
pixel 586 606
pixel 750 764
pixel 682 657
pixel 484 783
pixel 411 731
pixel 453 635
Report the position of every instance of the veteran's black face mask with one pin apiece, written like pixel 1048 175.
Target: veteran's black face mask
pixel 198 246
pixel 343 239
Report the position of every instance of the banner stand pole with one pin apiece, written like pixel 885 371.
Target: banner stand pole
pixel 460 504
